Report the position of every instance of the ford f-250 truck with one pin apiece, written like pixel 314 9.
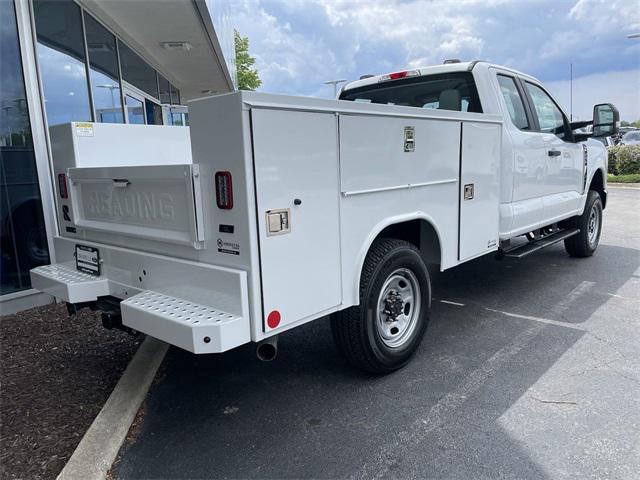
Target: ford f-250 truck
pixel 280 210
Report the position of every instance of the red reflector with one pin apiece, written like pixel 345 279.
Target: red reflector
pixel 224 190
pixel 62 185
pixel 273 320
pixel 397 75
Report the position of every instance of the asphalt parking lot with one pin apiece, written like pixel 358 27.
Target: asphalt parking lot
pixel 529 369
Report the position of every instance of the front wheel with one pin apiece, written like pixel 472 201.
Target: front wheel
pixel 382 333
pixel 585 243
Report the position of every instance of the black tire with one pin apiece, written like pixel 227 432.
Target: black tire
pixel 581 245
pixel 355 330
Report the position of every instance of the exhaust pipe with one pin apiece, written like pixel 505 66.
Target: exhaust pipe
pixel 267 349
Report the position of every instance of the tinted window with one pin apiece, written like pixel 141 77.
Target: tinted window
pixel 165 92
pixel 175 95
pixel 550 118
pixel 513 101
pixel 24 240
pixel 62 61
pixel 103 63
pixel 154 113
pixel 456 91
pixel 137 72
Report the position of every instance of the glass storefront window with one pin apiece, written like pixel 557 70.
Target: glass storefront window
pixel 103 67
pixel 175 95
pixel 137 72
pixel 165 90
pixel 22 231
pixel 61 60
pixel 135 110
pixel 154 113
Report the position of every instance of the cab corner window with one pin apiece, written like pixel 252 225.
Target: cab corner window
pixel 513 101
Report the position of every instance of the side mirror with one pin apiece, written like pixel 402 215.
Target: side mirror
pixel 606 120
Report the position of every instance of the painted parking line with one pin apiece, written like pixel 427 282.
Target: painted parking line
pixel 449 302
pixel 547 321
pixel 440 414
pixel 622 297
pixel 572 297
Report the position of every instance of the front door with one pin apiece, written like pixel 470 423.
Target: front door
pixel 563 173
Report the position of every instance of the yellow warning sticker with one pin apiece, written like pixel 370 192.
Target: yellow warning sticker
pixel 84 129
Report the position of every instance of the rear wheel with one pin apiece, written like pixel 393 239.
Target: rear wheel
pixel 382 333
pixel 585 243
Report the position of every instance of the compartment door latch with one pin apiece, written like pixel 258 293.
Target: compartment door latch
pixel 278 222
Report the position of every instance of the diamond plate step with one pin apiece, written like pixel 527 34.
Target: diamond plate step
pixel 188 325
pixel 64 281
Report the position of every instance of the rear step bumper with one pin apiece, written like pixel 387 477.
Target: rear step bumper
pixel 192 326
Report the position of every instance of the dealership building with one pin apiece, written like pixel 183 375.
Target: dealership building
pixel 108 61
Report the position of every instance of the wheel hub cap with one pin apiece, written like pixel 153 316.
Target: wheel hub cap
pixel 398 307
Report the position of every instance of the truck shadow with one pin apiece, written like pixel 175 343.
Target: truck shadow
pixel 308 415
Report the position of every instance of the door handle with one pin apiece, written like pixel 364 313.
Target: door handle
pixel 121 182
pixel 554 153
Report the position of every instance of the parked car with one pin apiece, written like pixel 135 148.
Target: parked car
pixel 631 138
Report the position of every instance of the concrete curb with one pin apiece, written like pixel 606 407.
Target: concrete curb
pixel 99 447
pixel 633 186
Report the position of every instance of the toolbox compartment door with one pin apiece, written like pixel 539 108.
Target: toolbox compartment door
pixel 479 189
pixel 296 157
pixel 156 202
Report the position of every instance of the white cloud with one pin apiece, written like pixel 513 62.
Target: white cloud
pixel 298 44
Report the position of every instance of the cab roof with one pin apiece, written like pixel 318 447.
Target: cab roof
pixel 432 70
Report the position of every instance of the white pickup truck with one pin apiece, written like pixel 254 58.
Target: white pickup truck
pixel 272 211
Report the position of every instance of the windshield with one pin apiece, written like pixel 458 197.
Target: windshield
pixel 451 91
pixel 631 136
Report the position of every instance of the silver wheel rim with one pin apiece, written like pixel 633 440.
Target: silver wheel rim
pixel 593 226
pixel 398 308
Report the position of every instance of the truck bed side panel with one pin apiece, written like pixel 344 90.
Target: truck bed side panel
pixel 381 183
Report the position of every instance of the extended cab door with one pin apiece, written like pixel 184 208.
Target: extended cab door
pixel 563 172
pixel 525 149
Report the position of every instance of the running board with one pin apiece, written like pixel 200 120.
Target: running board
pixel 531 247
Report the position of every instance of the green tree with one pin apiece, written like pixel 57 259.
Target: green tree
pixel 248 78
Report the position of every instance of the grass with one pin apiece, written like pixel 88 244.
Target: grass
pixel 630 178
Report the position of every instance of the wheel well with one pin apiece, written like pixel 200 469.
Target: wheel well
pixel 420 233
pixel 597 184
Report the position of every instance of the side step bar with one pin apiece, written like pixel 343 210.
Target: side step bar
pixel 531 247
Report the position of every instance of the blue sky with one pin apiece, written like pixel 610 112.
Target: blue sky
pixel 298 44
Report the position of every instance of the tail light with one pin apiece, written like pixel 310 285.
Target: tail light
pixel 224 190
pixel 62 185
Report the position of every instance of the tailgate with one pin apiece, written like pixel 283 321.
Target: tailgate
pixel 156 202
